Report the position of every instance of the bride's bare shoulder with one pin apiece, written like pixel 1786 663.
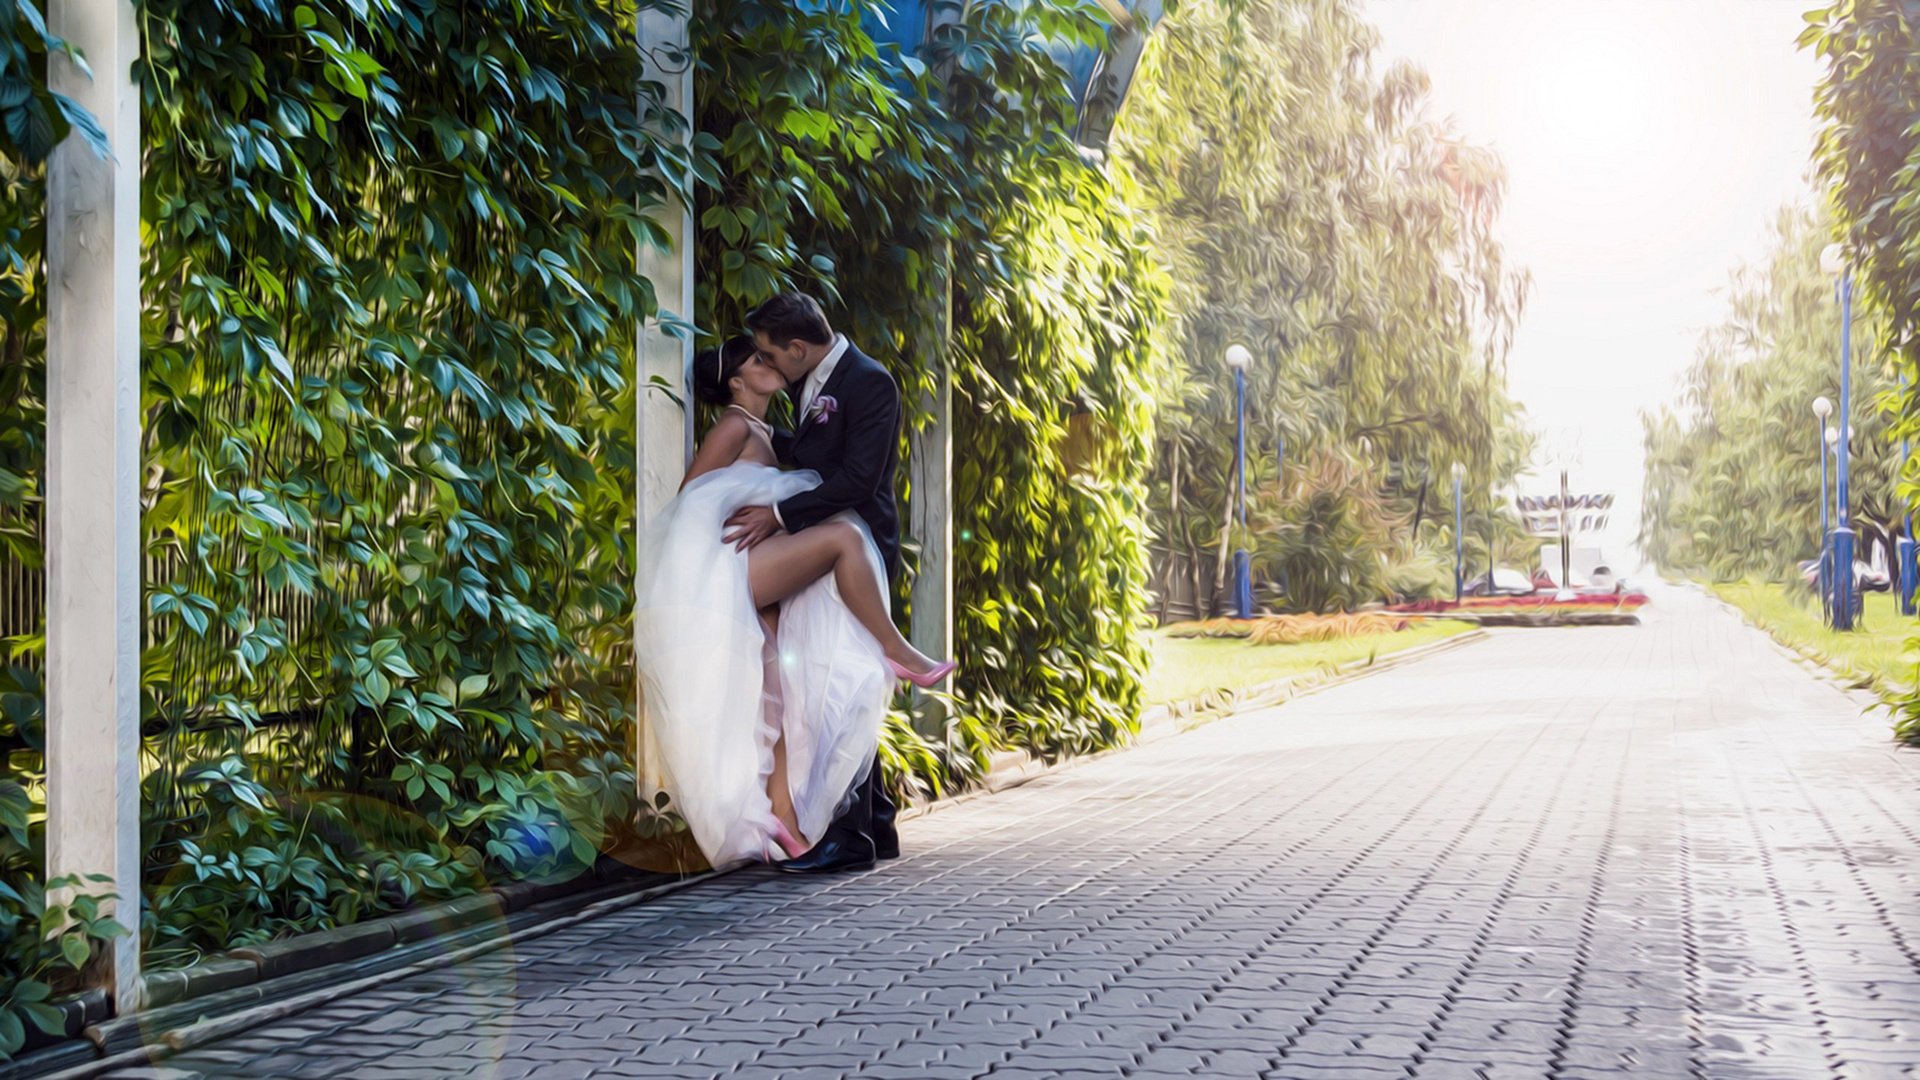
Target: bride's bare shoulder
pixel 721 447
pixel 730 425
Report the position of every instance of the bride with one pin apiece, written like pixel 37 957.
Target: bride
pixel 766 673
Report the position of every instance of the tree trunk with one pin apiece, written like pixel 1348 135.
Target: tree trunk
pixel 1420 509
pixel 1202 603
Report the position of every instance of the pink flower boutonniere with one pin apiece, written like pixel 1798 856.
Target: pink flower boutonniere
pixel 823 408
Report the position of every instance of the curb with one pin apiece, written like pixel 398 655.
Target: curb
pixel 431 954
pixel 1013 768
pixel 1852 684
pixel 407 941
pixel 1166 721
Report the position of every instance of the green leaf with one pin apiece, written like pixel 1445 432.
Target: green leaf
pixel 75 950
pixel 377 688
pixel 45 1017
pixel 12 1034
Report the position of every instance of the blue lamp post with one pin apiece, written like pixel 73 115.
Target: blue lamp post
pixel 1830 580
pixel 1238 358
pixel 1833 261
pixel 1906 572
pixel 1822 408
pixel 1280 461
pixel 1459 535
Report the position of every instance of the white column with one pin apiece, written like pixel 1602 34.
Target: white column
pixel 930 520
pixel 92 490
pixel 930 507
pixel 930 471
pixel 665 436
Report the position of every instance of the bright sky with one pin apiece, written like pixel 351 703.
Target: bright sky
pixel 1648 144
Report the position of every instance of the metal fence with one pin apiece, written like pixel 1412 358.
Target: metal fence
pixel 23 588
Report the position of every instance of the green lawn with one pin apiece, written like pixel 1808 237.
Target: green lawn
pixel 1185 668
pixel 1875 653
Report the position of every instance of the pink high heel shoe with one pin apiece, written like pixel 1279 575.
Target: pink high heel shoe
pixel 926 681
pixel 788 842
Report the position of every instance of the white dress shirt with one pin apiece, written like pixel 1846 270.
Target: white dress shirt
pixel 810 389
pixel 817 378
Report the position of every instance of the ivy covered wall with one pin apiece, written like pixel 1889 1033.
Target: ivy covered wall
pixel 389 307
pixel 872 180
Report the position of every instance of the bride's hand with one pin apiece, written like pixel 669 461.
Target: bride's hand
pixel 750 525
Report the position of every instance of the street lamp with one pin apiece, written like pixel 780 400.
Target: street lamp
pixel 1566 454
pixel 1823 408
pixel 1829 581
pixel 1238 358
pixel 1459 551
pixel 1280 463
pixel 1833 262
pixel 1905 570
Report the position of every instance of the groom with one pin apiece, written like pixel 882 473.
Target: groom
pixel 847 429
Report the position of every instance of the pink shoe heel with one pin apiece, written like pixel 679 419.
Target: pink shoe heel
pixel 926 681
pixel 787 841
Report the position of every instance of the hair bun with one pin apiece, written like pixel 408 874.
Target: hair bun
pixel 714 369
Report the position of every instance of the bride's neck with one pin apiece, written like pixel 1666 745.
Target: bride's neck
pixel 754 406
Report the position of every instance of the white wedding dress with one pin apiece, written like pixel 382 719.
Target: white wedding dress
pixel 716 692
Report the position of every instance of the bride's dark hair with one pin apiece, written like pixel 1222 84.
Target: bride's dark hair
pixel 714 369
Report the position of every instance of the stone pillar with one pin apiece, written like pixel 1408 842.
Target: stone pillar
pixel 930 505
pixel 665 435
pixel 92 480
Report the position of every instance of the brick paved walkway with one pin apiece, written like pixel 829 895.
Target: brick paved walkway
pixel 1662 851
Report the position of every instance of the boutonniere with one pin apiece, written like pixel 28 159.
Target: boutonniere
pixel 823 407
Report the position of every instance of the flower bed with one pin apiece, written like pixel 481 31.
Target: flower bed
pixel 1536 610
pixel 1293 629
pixel 1534 602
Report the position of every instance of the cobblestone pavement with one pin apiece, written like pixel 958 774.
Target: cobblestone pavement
pixel 1663 851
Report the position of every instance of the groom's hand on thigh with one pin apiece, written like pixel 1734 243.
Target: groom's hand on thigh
pixel 750 525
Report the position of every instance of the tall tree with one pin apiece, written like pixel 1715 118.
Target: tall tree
pixel 1307 207
pixel 1733 472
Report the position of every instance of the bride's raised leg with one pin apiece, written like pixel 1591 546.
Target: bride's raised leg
pixel 783 565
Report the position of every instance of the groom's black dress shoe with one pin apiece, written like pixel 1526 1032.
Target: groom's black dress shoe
pixel 836 853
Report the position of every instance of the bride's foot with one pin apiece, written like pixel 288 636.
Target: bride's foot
pixel 788 841
pixel 904 657
pixel 925 678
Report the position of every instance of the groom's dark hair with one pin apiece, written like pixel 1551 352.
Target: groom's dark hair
pixel 791 316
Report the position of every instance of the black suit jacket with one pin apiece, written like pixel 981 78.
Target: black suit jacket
pixel 855 449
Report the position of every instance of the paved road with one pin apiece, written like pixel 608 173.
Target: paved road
pixel 1663 852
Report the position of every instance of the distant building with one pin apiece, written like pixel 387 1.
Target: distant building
pixel 1576 520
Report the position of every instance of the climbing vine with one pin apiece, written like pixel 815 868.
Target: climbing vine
pixel 389 301
pixel 880 182
pixel 389 296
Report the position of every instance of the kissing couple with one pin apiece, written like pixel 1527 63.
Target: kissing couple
pixel 766 649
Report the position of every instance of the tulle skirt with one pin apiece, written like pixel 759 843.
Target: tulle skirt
pixel 717 689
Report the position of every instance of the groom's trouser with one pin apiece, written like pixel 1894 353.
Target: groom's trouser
pixel 871 810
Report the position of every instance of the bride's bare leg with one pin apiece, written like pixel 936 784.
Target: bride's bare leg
pixel 783 565
pixel 779 792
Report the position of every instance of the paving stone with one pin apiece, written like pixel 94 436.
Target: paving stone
pixel 1657 851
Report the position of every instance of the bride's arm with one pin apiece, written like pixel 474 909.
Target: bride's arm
pixel 720 448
